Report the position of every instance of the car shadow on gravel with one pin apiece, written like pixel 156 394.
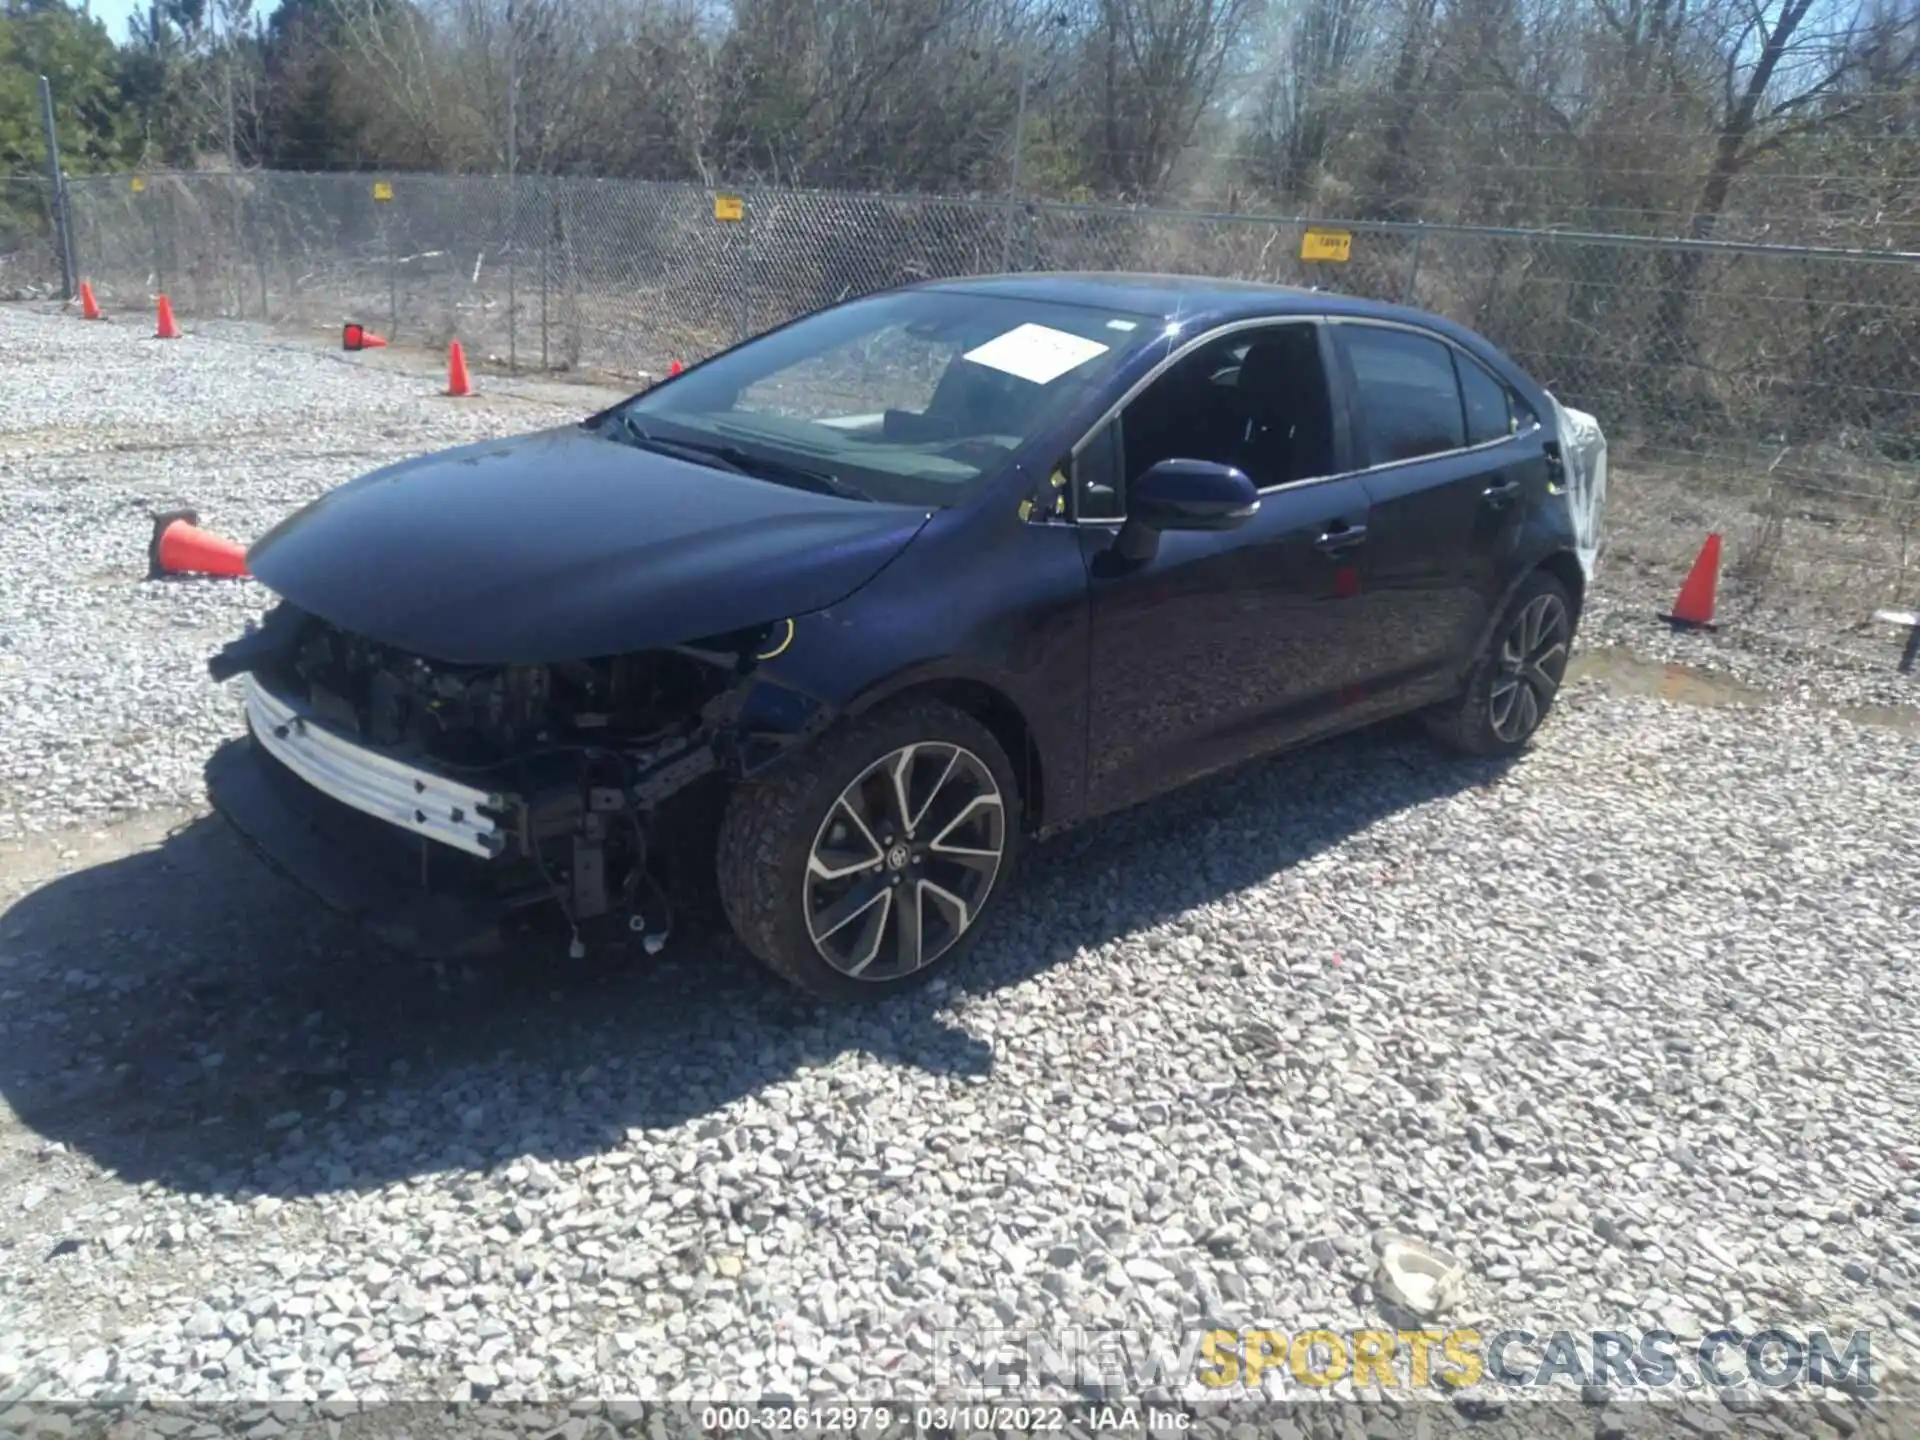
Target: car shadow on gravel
pixel 183 1016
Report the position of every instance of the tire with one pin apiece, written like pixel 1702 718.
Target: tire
pixel 1511 688
pixel 840 928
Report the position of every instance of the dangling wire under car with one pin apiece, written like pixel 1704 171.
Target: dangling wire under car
pixel 584 896
pixel 638 874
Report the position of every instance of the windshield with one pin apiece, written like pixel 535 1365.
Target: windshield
pixel 915 397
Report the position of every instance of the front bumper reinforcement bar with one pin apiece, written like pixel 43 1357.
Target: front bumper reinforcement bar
pixel 418 801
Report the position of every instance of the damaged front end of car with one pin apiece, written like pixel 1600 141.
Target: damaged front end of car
pixel 446 805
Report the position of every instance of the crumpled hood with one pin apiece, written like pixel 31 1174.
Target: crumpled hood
pixel 564 545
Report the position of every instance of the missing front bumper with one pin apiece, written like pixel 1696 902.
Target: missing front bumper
pixel 411 799
pixel 437 866
pixel 352 862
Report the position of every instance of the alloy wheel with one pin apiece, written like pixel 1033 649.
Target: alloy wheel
pixel 1533 657
pixel 904 861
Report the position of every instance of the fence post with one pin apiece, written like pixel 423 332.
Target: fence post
pixel 62 217
pixel 149 199
pixel 1017 236
pixel 570 290
pixel 746 266
pixel 1413 269
pixel 546 269
pixel 236 212
pixel 385 212
pixel 513 261
pixel 262 234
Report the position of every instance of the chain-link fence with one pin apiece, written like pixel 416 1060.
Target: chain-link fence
pixel 1771 393
pixel 29 255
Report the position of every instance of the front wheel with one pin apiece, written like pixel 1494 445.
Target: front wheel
pixel 1513 684
pixel 867 862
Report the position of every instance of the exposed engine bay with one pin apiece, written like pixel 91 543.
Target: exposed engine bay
pixel 586 756
pixel 467 715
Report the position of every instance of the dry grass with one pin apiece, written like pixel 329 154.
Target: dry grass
pixel 1792 557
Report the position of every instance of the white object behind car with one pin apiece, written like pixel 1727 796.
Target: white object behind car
pixel 1585 447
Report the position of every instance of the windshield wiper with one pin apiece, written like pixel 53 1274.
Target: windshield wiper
pixel 742 462
pixel 699 454
pixel 732 457
pixel 778 470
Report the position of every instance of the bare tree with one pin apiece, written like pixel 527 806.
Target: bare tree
pixel 1156 68
pixel 866 92
pixel 1299 101
pixel 220 78
pixel 399 87
pixel 1779 71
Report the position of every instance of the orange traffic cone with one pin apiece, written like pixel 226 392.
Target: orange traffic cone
pixel 675 368
pixel 457 381
pixel 358 337
pixel 1693 607
pixel 180 547
pixel 89 307
pixel 166 330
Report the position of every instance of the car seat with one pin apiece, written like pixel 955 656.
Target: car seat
pixel 1284 409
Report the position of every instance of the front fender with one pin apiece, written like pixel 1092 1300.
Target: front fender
pixel 983 602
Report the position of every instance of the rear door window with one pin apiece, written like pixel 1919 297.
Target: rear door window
pixel 1406 391
pixel 1489 407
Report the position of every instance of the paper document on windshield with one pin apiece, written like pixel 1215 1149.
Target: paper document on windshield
pixel 1035 352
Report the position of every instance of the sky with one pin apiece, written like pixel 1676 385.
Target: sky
pixel 115 13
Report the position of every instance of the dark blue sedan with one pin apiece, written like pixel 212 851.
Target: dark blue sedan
pixel 813 635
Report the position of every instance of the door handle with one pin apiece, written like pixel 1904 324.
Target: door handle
pixel 1501 491
pixel 1345 538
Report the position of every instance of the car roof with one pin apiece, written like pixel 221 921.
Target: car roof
pixel 1174 297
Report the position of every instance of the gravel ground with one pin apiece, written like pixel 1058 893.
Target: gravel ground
pixel 1629 1025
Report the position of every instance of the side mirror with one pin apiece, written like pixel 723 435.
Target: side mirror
pixel 1181 495
pixel 1192 495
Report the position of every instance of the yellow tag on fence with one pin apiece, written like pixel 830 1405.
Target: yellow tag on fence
pixel 383 190
pixel 139 184
pixel 729 207
pixel 1334 245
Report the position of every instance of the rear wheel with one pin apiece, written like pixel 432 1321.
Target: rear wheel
pixel 1513 684
pixel 868 862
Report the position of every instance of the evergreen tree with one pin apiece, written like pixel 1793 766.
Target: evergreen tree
pixel 85 72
